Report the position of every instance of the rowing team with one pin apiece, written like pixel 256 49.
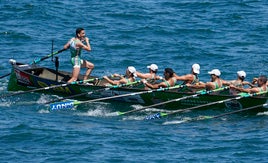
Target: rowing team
pixel 191 80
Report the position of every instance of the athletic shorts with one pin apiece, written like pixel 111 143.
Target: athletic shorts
pixel 77 62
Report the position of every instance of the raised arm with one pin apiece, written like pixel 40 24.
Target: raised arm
pixel 85 46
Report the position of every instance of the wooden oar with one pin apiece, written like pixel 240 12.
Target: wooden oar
pixel 47 88
pixel 86 93
pixel 70 104
pixel 224 114
pixel 160 115
pixel 203 92
pixel 233 112
pixel 39 60
pixel 48 56
pixel 5 75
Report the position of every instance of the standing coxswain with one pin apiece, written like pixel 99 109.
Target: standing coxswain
pixel 76 44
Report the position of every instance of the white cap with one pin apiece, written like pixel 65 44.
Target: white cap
pixel 12 61
pixel 215 72
pixel 196 68
pixel 153 67
pixel 132 70
pixel 241 74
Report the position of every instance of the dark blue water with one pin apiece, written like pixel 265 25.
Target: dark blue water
pixel 228 35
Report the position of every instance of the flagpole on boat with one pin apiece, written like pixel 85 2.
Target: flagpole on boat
pixel 56 60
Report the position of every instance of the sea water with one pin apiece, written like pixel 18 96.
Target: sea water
pixel 230 35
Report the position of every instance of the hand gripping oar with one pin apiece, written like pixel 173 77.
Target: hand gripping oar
pixel 70 104
pixel 47 88
pixel 39 60
pixel 173 100
pixel 160 115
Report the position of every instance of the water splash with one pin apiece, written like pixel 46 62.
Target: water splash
pixel 263 113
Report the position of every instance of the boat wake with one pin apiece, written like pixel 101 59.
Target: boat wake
pixel 45 98
pixel 98 111
pixel 133 117
pixel 174 122
pixel 43 111
pixel 263 113
pixel 149 109
pixel 5 104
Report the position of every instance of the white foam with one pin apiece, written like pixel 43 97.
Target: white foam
pixel 174 122
pixel 263 113
pixel 44 111
pixel 133 117
pixel 150 109
pixel 100 111
pixel 45 98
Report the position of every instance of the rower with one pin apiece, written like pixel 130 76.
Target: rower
pixel 151 75
pixel 215 83
pixel 261 82
pixel 239 82
pixel 129 77
pixel 168 82
pixel 190 78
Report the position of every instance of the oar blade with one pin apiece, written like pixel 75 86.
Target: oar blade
pixel 155 116
pixel 120 113
pixel 62 105
pixel 204 117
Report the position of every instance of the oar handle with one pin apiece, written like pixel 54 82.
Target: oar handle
pixel 46 57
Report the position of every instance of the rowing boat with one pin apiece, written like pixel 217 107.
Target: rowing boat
pixel 26 77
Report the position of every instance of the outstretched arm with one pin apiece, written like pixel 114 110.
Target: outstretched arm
pixel 142 76
pixel 184 77
pixel 248 83
pixel 199 85
pixel 154 86
pixel 113 82
pixel 247 90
